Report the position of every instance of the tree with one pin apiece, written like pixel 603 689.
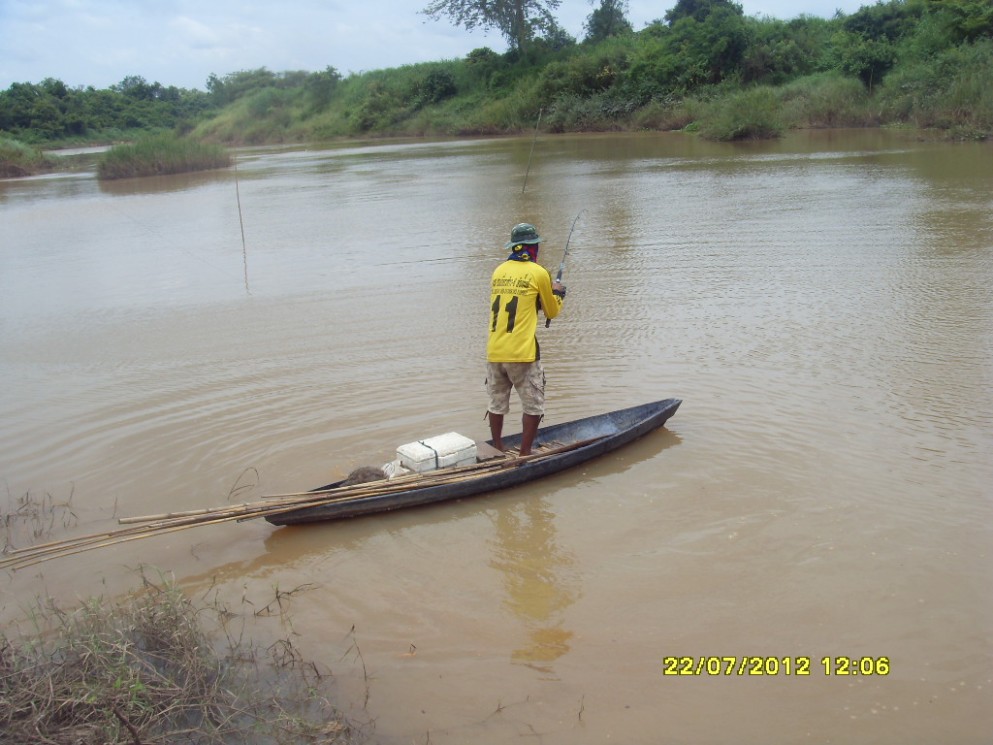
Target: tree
pixel 965 20
pixel 698 10
pixel 437 85
pixel 709 43
pixel 867 59
pixel 867 43
pixel 518 20
pixel 320 87
pixel 607 20
pixel 779 51
pixel 239 84
pixel 889 21
pixel 136 87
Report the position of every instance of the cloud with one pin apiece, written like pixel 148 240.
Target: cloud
pixel 193 33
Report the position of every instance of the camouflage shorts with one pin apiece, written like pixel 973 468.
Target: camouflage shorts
pixel 527 377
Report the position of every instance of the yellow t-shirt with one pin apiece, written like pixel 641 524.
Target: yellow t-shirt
pixel 516 287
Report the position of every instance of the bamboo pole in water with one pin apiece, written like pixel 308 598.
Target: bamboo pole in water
pixel 152 525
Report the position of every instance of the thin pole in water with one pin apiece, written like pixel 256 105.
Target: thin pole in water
pixel 533 142
pixel 241 222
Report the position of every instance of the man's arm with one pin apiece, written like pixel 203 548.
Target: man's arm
pixel 551 295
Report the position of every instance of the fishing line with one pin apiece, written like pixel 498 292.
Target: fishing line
pixel 241 223
pixel 533 143
pixel 153 231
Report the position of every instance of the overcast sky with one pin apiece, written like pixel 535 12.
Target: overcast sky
pixel 181 42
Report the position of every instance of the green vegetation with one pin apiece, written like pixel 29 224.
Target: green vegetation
pixel 952 91
pixel 51 112
pixel 143 669
pixel 161 154
pixel 18 159
pixel 750 114
pixel 705 65
pixel 926 63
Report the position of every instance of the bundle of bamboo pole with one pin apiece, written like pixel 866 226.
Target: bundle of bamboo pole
pixel 152 525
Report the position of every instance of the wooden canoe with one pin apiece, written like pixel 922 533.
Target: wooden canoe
pixel 557 447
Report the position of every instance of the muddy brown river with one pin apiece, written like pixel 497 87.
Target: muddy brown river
pixel 803 555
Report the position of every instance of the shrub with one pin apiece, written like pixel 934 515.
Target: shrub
pixel 437 86
pixel 828 100
pixel 750 115
pixel 599 113
pixel 668 114
pixel 952 90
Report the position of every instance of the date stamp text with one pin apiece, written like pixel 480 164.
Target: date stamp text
pixel 775 666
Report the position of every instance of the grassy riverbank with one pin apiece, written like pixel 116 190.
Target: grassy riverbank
pixel 18 159
pixel 705 68
pixel 956 103
pixel 152 667
pixel 910 64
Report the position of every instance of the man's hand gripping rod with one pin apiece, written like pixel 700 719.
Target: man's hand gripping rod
pixel 558 275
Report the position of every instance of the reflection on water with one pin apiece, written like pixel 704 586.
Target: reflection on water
pixel 822 305
pixel 538 579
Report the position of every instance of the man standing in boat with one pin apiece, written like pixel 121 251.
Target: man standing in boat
pixel 519 287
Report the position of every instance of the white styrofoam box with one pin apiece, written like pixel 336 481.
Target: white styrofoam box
pixel 442 451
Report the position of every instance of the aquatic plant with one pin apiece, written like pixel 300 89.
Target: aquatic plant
pixel 159 155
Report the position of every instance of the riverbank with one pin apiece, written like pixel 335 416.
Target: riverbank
pixel 152 666
pixel 18 160
pixel 705 67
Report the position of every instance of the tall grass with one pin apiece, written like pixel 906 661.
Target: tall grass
pixel 144 670
pixel 951 91
pixel 18 159
pixel 600 112
pixel 751 114
pixel 159 155
pixel 667 115
pixel 826 100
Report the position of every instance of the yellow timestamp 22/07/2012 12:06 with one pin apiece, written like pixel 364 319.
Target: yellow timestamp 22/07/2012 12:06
pixel 748 665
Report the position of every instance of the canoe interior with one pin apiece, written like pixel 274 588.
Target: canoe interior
pixel 598 434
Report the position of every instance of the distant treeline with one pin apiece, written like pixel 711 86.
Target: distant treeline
pixel 50 111
pixel 704 66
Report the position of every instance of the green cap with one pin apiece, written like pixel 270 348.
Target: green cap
pixel 524 232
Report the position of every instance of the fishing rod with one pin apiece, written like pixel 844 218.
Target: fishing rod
pixel 558 275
